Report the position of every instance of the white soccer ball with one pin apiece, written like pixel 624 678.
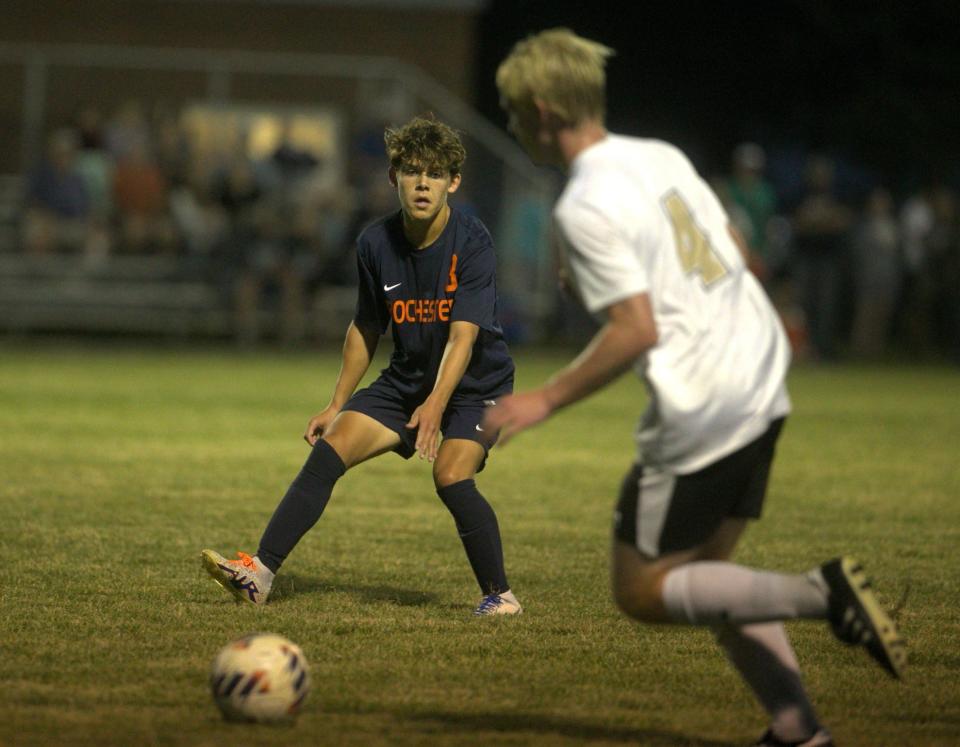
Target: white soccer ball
pixel 261 677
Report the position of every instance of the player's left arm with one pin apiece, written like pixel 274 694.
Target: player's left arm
pixel 629 332
pixel 453 364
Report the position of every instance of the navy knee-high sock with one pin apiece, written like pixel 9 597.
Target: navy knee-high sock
pixel 479 532
pixel 302 505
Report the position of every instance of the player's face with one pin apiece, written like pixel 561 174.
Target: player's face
pixel 423 192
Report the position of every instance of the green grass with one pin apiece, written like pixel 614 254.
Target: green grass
pixel 117 466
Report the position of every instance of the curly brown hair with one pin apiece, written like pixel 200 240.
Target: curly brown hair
pixel 426 143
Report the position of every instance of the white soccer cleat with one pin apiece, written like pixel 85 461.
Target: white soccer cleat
pixel 499 604
pixel 246 578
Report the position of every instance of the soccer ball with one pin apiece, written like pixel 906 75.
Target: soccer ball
pixel 261 677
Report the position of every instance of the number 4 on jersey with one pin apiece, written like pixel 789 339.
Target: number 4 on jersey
pixel 697 255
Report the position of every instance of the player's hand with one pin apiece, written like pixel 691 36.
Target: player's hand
pixel 515 413
pixel 319 423
pixel 426 419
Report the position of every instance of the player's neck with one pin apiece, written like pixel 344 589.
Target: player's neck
pixel 572 141
pixel 422 234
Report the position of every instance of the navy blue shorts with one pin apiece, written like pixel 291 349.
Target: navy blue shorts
pixel 382 402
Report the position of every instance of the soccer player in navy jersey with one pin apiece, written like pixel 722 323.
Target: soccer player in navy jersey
pixel 428 271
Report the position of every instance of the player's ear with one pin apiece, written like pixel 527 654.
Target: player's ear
pixel 454 184
pixel 548 119
pixel 544 114
pixel 392 175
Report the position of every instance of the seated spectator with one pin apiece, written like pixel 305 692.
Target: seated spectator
pixel 291 161
pixel 237 187
pixel 96 167
pixel 264 275
pixel 172 150
pixel 201 223
pixel 140 195
pixel 127 130
pixel 93 162
pixel 343 215
pixel 57 214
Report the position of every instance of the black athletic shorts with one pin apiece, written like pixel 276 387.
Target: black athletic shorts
pixel 382 402
pixel 660 512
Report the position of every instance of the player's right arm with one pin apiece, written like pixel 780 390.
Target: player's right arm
pixel 358 348
pixel 363 334
pixel 629 332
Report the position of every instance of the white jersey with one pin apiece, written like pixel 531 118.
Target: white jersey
pixel 635 217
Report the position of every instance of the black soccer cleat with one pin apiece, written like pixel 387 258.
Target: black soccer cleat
pixel 857 617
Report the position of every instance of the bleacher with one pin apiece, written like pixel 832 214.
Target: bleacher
pixel 116 295
pixel 10 196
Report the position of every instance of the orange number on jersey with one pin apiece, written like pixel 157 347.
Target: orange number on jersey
pixel 697 255
pixel 452 280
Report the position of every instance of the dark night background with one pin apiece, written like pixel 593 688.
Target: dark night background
pixel 875 85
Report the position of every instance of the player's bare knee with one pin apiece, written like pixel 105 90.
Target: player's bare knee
pixel 638 598
pixel 639 606
pixel 637 584
pixel 339 445
pixel 634 597
pixel 448 474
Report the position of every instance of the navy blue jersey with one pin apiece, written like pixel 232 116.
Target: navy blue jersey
pixel 420 291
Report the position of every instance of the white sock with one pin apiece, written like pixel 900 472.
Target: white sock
pixel 706 593
pixel 763 656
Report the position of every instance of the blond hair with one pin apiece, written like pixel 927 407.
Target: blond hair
pixel 565 71
pixel 425 143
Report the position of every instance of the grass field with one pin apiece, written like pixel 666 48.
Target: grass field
pixel 117 466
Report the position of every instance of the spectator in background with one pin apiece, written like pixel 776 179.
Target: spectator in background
pixel 755 202
pixel 944 253
pixel 821 224
pixel 58 205
pixel 128 129
pixel 198 219
pixel 267 273
pixel 290 164
pixel 93 162
pixel 928 309
pixel 259 251
pixel 237 189
pixel 172 149
pixel 376 198
pixel 876 274
pixel 95 166
pixel 140 194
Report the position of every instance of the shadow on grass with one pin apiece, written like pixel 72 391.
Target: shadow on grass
pixel 291 585
pixel 478 723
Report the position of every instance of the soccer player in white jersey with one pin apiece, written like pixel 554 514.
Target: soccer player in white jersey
pixel 651 251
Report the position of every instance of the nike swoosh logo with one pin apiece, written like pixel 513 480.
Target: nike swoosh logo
pixel 478 428
pixel 391 287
